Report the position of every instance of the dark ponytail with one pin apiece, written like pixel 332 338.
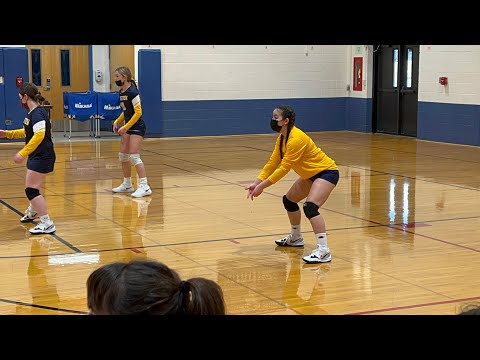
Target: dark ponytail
pixel 205 298
pixel 39 98
pixel 287 112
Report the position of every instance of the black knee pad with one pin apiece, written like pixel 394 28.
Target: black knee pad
pixel 290 206
pixel 32 193
pixel 310 209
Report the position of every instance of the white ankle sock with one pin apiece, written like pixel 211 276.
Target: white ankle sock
pixel 143 181
pixel 322 241
pixel 45 219
pixel 296 233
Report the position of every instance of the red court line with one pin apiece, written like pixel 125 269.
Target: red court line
pixel 414 225
pixel 413 306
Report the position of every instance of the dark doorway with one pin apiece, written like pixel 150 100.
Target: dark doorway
pixel 396 89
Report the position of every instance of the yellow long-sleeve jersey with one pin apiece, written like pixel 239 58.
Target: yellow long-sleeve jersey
pixel 37 131
pixel 300 154
pixel 132 108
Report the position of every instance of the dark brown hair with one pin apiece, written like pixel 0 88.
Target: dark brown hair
pixel 287 112
pixel 146 287
pixel 32 92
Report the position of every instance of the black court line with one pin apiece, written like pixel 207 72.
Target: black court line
pixel 404 151
pixel 188 161
pixel 414 178
pixel 393 150
pixel 391 174
pixel 213 148
pixel 219 150
pixel 190 150
pixel 85 181
pixel 439 220
pixel 200 174
pixel 43 306
pixel 225 239
pixel 108 191
pixel 33 256
pixel 64 242
pixel 93 160
pixel 181 243
pixel 18 167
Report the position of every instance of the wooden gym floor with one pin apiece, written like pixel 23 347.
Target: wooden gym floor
pixel 403 225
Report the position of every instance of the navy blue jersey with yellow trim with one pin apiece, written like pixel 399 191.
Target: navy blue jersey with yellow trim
pixel 128 100
pixel 38 120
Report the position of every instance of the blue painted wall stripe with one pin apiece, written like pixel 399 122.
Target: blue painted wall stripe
pixel 234 117
pixel 358 114
pixel 452 123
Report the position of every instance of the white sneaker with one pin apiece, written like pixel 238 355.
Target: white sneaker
pixel 123 188
pixel 143 204
pixel 318 256
pixel 28 216
pixel 143 190
pixel 43 228
pixel 289 241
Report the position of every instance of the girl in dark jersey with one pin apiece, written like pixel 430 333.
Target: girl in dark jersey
pixel 37 131
pixel 131 127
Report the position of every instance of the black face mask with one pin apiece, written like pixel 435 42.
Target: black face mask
pixel 274 125
pixel 119 82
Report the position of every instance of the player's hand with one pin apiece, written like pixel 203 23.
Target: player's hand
pixel 256 192
pixel 250 189
pixel 122 130
pixel 115 128
pixel 3 134
pixel 18 158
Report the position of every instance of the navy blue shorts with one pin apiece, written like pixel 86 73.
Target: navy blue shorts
pixel 331 176
pixel 138 128
pixel 41 165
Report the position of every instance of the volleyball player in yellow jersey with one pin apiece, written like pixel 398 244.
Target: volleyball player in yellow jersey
pixel 318 177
